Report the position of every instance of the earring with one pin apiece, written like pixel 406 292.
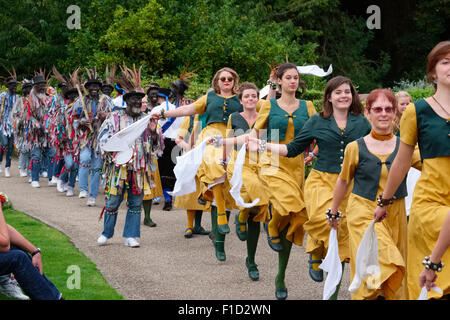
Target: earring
pixel 435 81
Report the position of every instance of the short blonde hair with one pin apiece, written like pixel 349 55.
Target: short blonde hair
pixel 403 94
pixel 215 80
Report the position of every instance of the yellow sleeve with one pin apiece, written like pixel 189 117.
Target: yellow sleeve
pixel 259 105
pixel 200 104
pixel 230 132
pixel 311 108
pixel 408 126
pixel 351 159
pixel 416 161
pixel 183 129
pixel 263 116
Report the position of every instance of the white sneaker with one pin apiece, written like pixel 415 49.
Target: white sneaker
pixel 83 194
pixel 102 240
pixel 11 289
pixel 131 242
pixel 1 168
pixel 7 173
pixel 29 179
pixel 91 202
pixel 60 185
pixel 35 184
pixel 44 174
pixel 23 172
pixel 65 186
pixel 52 183
pixel 69 192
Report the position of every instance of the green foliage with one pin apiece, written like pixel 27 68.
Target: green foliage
pixel 417 94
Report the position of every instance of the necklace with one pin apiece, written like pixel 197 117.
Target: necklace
pixel 440 105
pixel 381 136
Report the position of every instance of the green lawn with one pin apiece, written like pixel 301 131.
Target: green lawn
pixel 63 262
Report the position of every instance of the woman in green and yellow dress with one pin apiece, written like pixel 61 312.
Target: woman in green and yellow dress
pixel 278 121
pixel 340 122
pixel 217 105
pixel 189 202
pixel 247 219
pixel 428 124
pixel 367 162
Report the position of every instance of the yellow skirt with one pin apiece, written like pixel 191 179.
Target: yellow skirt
pixel 319 188
pixel 156 191
pixel 210 170
pixel 190 201
pixel 285 178
pixel 391 236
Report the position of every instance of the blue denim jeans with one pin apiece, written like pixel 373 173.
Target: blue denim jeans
pixel 37 156
pixel 132 228
pixel 70 172
pixel 33 284
pixel 94 161
pixel 24 160
pixel 49 161
pixel 7 148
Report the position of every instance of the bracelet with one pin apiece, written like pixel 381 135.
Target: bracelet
pixel 273 85
pixel 262 146
pixel 384 202
pixel 217 141
pixel 312 154
pixel 223 162
pixel 161 114
pixel 432 266
pixel 331 217
pixel 36 252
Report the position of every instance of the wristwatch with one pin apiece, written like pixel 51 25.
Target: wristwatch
pixel 36 252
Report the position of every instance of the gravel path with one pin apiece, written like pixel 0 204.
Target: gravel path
pixel 166 266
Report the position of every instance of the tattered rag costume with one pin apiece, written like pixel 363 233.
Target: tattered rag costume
pixel 33 122
pixel 135 177
pixel 7 105
pixel 84 141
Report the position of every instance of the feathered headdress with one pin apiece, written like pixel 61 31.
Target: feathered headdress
pixel 182 84
pixel 109 76
pixel 63 81
pixel 40 77
pixel 130 81
pixel 12 76
pixel 92 77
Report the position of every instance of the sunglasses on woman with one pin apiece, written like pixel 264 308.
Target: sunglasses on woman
pixel 380 109
pixel 226 78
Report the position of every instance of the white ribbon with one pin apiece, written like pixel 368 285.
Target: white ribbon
pixel 236 181
pixel 332 265
pixel 366 262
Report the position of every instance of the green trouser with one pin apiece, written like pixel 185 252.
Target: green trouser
pixel 218 238
pixel 283 259
pixel 253 230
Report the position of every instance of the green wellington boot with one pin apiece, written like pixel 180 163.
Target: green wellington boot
pixel 218 239
pixel 198 229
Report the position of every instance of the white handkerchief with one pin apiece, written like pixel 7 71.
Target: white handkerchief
pixel 186 169
pixel 366 258
pixel 125 138
pixel 332 265
pixel 424 293
pixel 236 181
pixel 315 70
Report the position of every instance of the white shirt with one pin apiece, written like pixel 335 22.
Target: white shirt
pixel 172 131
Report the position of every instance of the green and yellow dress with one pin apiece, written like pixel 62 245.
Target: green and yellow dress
pixel 252 185
pixel 431 197
pixel 284 176
pixel 369 172
pixel 319 185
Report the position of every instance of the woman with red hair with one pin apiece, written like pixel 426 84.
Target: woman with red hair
pixel 367 162
pixel 428 124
